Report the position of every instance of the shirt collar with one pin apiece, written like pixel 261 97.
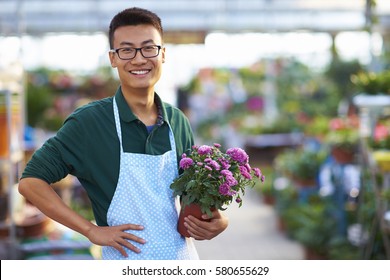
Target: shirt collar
pixel 127 115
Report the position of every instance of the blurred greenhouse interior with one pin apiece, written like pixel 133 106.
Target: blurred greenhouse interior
pixel 302 85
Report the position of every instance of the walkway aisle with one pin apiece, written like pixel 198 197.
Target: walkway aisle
pixel 252 235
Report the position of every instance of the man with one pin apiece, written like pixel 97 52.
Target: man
pixel 124 151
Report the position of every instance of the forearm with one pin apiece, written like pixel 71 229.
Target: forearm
pixel 42 195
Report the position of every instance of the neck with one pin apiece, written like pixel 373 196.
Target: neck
pixel 142 105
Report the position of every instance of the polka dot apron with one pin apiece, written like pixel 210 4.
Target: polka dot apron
pixel 143 197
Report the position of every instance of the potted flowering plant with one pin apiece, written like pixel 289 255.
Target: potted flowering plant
pixel 373 90
pixel 381 136
pixel 212 179
pixel 300 165
pixel 343 138
pixel 372 83
pixel 380 144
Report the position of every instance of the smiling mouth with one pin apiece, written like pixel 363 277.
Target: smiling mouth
pixel 139 72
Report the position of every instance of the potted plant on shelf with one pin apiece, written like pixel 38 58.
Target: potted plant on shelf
pixel 314 227
pixel 373 89
pixel 379 143
pixel 300 165
pixel 211 180
pixel 343 138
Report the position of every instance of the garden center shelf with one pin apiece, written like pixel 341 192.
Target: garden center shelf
pixel 377 164
pixel 11 164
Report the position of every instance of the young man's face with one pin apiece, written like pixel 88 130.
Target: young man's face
pixel 139 73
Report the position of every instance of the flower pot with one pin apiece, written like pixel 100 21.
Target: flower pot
pixel 304 182
pixel 311 254
pixel 342 156
pixel 194 210
pixel 268 199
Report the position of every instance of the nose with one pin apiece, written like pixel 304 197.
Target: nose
pixel 138 57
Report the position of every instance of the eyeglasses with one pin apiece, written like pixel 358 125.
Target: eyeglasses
pixel 129 53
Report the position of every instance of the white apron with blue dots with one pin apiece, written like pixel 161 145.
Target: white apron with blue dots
pixel 143 197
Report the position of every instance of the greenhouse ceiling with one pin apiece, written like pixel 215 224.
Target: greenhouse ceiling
pixel 39 17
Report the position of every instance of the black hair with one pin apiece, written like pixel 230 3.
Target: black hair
pixel 133 16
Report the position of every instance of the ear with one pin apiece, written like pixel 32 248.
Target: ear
pixel 111 56
pixel 163 54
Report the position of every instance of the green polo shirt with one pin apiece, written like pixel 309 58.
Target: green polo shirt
pixel 87 146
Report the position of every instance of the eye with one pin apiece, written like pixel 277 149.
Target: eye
pixel 126 50
pixel 149 48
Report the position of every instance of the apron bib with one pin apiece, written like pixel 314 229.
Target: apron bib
pixel 143 197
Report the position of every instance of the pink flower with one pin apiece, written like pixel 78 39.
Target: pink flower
pixel 214 165
pixel 204 150
pixel 244 172
pixel 381 132
pixel 257 172
pixel 186 163
pixel 224 163
pixel 226 173
pixel 224 189
pixel 231 181
pixel 238 155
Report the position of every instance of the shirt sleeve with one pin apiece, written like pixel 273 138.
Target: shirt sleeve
pixel 60 155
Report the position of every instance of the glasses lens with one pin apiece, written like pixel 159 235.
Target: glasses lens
pixel 150 51
pixel 126 53
pixel 147 52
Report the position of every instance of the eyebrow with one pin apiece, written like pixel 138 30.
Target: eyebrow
pixel 125 43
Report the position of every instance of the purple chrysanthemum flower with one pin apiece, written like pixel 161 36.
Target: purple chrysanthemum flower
pixel 245 173
pixel 216 145
pixel 224 163
pixel 204 150
pixel 214 165
pixel 262 178
pixel 238 155
pixel 238 200
pixel 186 163
pixel 224 189
pixel 248 167
pixel 231 181
pixel 257 172
pixel 208 168
pixel 226 173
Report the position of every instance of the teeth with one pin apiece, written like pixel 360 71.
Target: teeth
pixel 139 72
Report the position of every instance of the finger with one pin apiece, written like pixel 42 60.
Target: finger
pixel 196 223
pixel 133 237
pixel 130 227
pixel 120 249
pixel 195 229
pixel 214 215
pixel 128 245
